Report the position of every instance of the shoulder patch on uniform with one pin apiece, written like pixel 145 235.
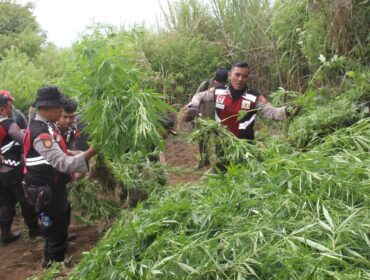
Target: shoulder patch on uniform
pixel 222 92
pixel 46 140
pixel 246 104
pixel 220 98
pixel 47 143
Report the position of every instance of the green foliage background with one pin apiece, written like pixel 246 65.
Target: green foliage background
pixel 20 29
pixel 293 206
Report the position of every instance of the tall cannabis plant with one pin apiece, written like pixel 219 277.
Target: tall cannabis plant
pixel 122 114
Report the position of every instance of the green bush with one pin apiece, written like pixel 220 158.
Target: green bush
pixel 182 62
pixel 20 29
pixel 21 77
pixel 327 113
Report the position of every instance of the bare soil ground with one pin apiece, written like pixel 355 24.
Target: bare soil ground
pixel 22 258
pixel 181 158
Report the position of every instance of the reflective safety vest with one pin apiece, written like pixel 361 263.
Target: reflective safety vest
pixel 227 112
pixel 10 149
pixel 38 171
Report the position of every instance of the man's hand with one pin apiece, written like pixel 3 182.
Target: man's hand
pixel 89 153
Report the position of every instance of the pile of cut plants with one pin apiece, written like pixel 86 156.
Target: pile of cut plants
pixel 280 212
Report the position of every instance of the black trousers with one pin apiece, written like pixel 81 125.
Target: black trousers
pixel 57 234
pixel 11 192
pixel 56 239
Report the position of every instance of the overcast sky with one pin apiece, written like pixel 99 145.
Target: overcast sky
pixel 64 20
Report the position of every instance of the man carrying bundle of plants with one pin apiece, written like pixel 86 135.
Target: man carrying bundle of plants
pixel 237 105
pixel 207 109
pixel 48 164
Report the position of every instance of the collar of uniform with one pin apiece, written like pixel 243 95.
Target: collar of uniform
pixel 235 94
pixel 3 119
pixel 229 90
pixel 38 117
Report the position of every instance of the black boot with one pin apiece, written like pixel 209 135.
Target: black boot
pixel 45 262
pixel 6 235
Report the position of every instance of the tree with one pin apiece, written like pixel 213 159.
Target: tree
pixel 19 28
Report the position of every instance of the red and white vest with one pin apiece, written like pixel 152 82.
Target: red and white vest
pixel 10 149
pixel 227 112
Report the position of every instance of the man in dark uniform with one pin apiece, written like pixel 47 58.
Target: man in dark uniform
pixel 80 142
pixel 70 133
pixel 47 167
pixel 11 192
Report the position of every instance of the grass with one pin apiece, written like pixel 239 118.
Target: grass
pixel 292 216
pixel 280 212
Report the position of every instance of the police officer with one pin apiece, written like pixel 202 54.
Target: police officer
pixel 48 164
pixel 67 125
pixel 11 175
pixel 239 97
pixel 207 109
pixel 17 115
pixel 70 133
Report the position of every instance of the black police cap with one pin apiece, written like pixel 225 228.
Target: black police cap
pixel 49 97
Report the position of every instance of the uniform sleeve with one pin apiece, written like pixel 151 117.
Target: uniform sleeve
pixel 201 97
pixel 54 155
pixel 16 133
pixel 270 112
pixel 202 86
pixel 20 119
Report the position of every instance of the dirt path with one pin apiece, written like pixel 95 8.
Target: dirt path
pixel 181 157
pixel 22 259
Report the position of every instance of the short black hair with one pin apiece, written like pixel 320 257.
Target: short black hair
pixel 240 64
pixel 70 106
pixel 221 75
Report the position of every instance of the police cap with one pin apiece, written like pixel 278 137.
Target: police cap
pixel 49 97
